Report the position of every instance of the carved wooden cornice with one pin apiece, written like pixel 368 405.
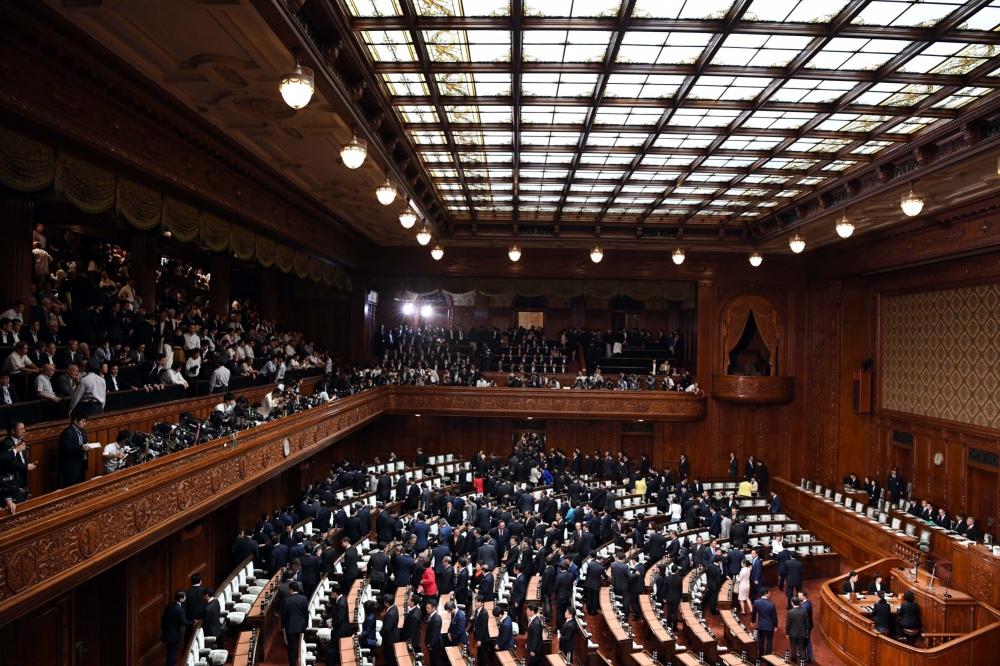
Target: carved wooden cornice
pixel 561 403
pixel 54 543
pixel 55 82
pixel 753 390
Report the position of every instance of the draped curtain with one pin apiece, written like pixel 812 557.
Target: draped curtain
pixel 215 233
pixel 25 164
pixel 265 251
pixel 733 325
pixel 181 219
pixel 88 187
pixel 767 327
pixel 284 258
pixel 141 206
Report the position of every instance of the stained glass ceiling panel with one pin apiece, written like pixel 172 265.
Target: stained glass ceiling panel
pixel 611 107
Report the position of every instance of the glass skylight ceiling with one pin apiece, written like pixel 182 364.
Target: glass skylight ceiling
pixel 703 111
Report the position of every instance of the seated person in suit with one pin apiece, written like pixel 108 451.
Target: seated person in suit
pixel 882 615
pixel 852 584
pixel 878 586
pixel 909 613
pixel 972 532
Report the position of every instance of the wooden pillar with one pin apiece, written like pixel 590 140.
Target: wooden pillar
pixel 18 217
pixel 219 295
pixel 270 295
pixel 145 261
pixel 704 350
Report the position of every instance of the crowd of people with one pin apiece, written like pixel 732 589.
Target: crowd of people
pixel 445 544
pixel 896 491
pixel 86 322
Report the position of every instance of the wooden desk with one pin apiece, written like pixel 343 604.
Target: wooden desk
pixel 643 659
pixel 402 652
pixel 655 635
pixel 699 640
pixel 687 659
pixel 455 655
pixel 939 614
pixel 738 638
pixel 506 658
pixel 851 634
pixel 557 660
pixel 616 635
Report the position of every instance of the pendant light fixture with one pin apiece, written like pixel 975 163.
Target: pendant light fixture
pixel 514 253
pixel 386 192
pixel 912 203
pixel 424 235
pixel 678 256
pixel 354 153
pixel 797 243
pixel 437 253
pixel 297 87
pixel 756 259
pixel 845 228
pixel 596 254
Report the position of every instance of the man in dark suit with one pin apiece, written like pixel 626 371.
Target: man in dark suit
pixel 73 452
pixel 310 566
pixel 567 635
pixel 486 585
pixel 793 577
pixel 390 629
pixel 673 591
pixel 564 588
pixel 882 615
pixel 619 580
pixel 505 632
pixel 765 619
pixel 338 622
pixel 713 583
pixel 172 626
pixel 756 573
pixel 194 604
pixel 734 466
pixel 294 620
pixel 411 625
pixel 797 629
pixel 534 645
pixel 518 592
pixel 592 585
pixel 350 564
pixel 212 622
pixel 435 645
pixel 851 585
pixel 909 615
pixel 894 484
pixel 457 634
pixel 481 632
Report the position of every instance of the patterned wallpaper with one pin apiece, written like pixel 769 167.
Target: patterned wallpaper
pixel 941 354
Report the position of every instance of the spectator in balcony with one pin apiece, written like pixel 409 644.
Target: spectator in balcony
pixel 218 382
pixel 67 382
pixel 114 381
pixel 8 396
pixel 102 354
pixel 45 353
pixel 91 394
pixel 31 335
pixel 14 313
pixel 43 384
pixel 68 355
pixel 7 337
pixel 173 376
pixel 192 366
pixel 18 361
pixel 114 452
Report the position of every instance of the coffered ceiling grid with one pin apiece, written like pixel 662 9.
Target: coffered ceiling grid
pixel 659 112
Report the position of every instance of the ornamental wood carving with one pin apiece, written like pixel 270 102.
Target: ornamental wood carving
pixel 753 390
pixel 56 541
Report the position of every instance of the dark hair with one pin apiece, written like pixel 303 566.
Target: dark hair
pixel 195 578
pixel 908 595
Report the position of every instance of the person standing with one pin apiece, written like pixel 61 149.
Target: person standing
pixel 567 635
pixel 294 620
pixel 481 632
pixel 797 629
pixel 73 449
pixel 765 619
pixel 434 643
pixel 673 593
pixel 743 588
pixel 793 577
pixel 172 626
pixel 390 629
pixel 534 645
pixel 212 621
pixel 734 466
pixel 457 634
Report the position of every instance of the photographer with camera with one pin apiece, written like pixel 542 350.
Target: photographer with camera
pixel 14 465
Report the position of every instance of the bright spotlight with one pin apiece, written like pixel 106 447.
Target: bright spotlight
pixel 408 308
pixel 426 311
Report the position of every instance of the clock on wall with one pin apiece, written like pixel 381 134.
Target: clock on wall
pixel 938 458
